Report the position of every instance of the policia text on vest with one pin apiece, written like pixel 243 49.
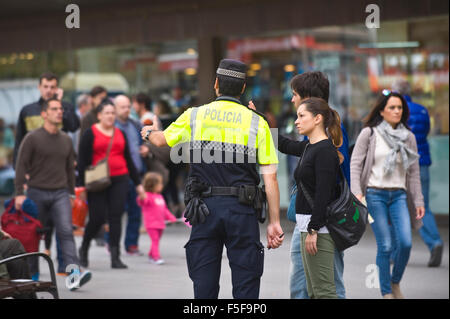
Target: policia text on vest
pixel 218 143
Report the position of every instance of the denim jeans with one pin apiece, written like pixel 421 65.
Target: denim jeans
pixel 55 205
pixel 134 217
pixel 390 207
pixel 297 279
pixel 429 231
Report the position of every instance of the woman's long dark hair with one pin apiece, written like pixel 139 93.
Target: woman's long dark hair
pixel 374 118
pixel 331 120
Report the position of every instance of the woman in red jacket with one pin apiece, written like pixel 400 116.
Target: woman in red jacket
pixel 109 204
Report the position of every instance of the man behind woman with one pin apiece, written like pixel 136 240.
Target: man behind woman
pixel 304 86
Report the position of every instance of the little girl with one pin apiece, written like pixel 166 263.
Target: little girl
pixel 155 212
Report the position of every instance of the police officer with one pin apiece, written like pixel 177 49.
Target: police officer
pixel 224 141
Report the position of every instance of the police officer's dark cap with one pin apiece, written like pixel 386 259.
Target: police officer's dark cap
pixel 232 68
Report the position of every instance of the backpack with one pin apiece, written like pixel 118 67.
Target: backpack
pixel 22 226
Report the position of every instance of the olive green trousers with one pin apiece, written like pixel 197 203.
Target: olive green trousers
pixel 319 269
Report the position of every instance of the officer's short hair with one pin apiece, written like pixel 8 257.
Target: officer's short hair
pixel 231 77
pixel 311 84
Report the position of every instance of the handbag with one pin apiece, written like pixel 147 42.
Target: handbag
pixel 96 176
pixel 22 227
pixel 346 217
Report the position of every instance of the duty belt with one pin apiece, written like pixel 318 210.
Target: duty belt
pixel 221 191
pixel 246 193
pixel 249 195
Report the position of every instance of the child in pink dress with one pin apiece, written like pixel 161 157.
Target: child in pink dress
pixel 155 212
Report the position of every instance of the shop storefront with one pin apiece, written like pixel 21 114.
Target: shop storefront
pixel 359 63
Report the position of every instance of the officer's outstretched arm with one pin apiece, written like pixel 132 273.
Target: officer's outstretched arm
pixel 274 230
pixel 155 137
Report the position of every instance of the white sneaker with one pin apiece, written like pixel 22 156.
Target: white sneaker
pixel 82 279
pixel 156 262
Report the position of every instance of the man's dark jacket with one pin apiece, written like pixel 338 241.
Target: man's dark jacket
pixel 30 119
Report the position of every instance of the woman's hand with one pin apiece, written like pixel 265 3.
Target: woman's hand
pixel 311 244
pixel 420 212
pixel 359 197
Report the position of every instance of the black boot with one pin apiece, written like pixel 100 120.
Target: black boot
pixel 83 256
pixel 436 256
pixel 115 260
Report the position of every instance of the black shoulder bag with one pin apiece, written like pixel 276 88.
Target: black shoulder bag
pixel 346 216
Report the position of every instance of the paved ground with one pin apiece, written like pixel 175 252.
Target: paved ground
pixel 171 280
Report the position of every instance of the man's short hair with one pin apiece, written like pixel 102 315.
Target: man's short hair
pixel 48 76
pixel 311 84
pixel 46 103
pixel 144 99
pixel 82 99
pixel 96 90
pixel 401 86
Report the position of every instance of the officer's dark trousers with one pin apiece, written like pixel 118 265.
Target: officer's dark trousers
pixel 235 226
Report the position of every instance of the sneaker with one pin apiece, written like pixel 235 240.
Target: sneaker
pixel 157 262
pixel 81 280
pixel 133 251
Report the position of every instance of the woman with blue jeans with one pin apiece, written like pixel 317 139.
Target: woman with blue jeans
pixel 385 168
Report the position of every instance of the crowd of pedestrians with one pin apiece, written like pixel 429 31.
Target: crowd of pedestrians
pixel 56 142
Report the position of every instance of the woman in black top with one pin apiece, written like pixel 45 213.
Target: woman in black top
pixel 317 171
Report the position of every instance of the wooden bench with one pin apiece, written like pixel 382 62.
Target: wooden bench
pixel 14 287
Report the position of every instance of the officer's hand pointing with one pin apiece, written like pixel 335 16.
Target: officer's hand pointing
pixel 275 235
